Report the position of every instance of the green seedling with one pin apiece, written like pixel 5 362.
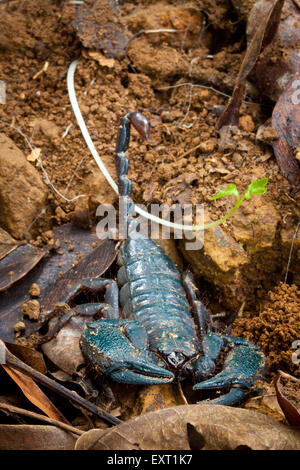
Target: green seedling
pixel 257 187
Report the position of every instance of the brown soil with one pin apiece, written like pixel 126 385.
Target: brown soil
pixel 275 329
pixel 184 162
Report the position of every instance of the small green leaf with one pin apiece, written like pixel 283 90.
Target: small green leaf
pixel 231 190
pixel 257 187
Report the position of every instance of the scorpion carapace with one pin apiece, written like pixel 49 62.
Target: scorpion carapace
pixel 155 329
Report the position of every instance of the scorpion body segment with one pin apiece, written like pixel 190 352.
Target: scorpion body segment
pixel 155 330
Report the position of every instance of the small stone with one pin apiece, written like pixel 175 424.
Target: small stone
pixel 246 123
pixel 237 159
pixel 60 215
pixel 71 248
pixel 208 146
pixel 48 128
pixel 34 290
pixel 266 134
pixel 22 191
pixel 48 235
pixel 18 328
pixel 31 309
pixel 57 244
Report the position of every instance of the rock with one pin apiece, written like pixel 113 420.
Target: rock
pixel 266 134
pixel 219 261
pixel 100 191
pixel 246 123
pixel 48 128
pixel 22 191
pixel 238 263
pixel 34 290
pixel 31 309
pixel 19 327
pixel 255 224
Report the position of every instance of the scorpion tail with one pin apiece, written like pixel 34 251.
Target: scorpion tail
pixel 141 124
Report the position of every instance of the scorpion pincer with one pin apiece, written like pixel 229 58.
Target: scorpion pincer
pixel 154 329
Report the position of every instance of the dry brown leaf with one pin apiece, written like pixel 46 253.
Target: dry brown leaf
pixel 222 428
pixel 30 356
pixel 280 60
pixel 18 263
pixel 286 122
pixel 64 350
pixel 290 411
pixel 35 437
pixel 264 34
pixel 34 394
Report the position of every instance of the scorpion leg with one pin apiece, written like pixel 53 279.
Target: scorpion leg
pixel 94 286
pixel 210 344
pixel 109 308
pixel 88 310
pixel 243 365
pixel 202 315
pixel 119 349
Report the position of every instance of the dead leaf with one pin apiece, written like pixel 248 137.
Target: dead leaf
pixel 263 400
pixel 286 122
pixel 15 364
pixel 93 264
pixel 195 438
pixel 15 411
pixel 7 243
pixel 35 437
pixel 46 271
pixel 222 427
pixel 264 33
pixel 290 411
pixel 34 394
pixel 30 356
pixel 18 263
pixel 64 350
pixel 280 60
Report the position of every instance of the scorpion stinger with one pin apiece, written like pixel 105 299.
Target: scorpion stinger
pixel 161 332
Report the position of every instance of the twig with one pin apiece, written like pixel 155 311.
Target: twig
pixel 32 414
pixel 15 363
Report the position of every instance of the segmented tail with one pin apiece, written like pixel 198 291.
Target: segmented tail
pixel 141 124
